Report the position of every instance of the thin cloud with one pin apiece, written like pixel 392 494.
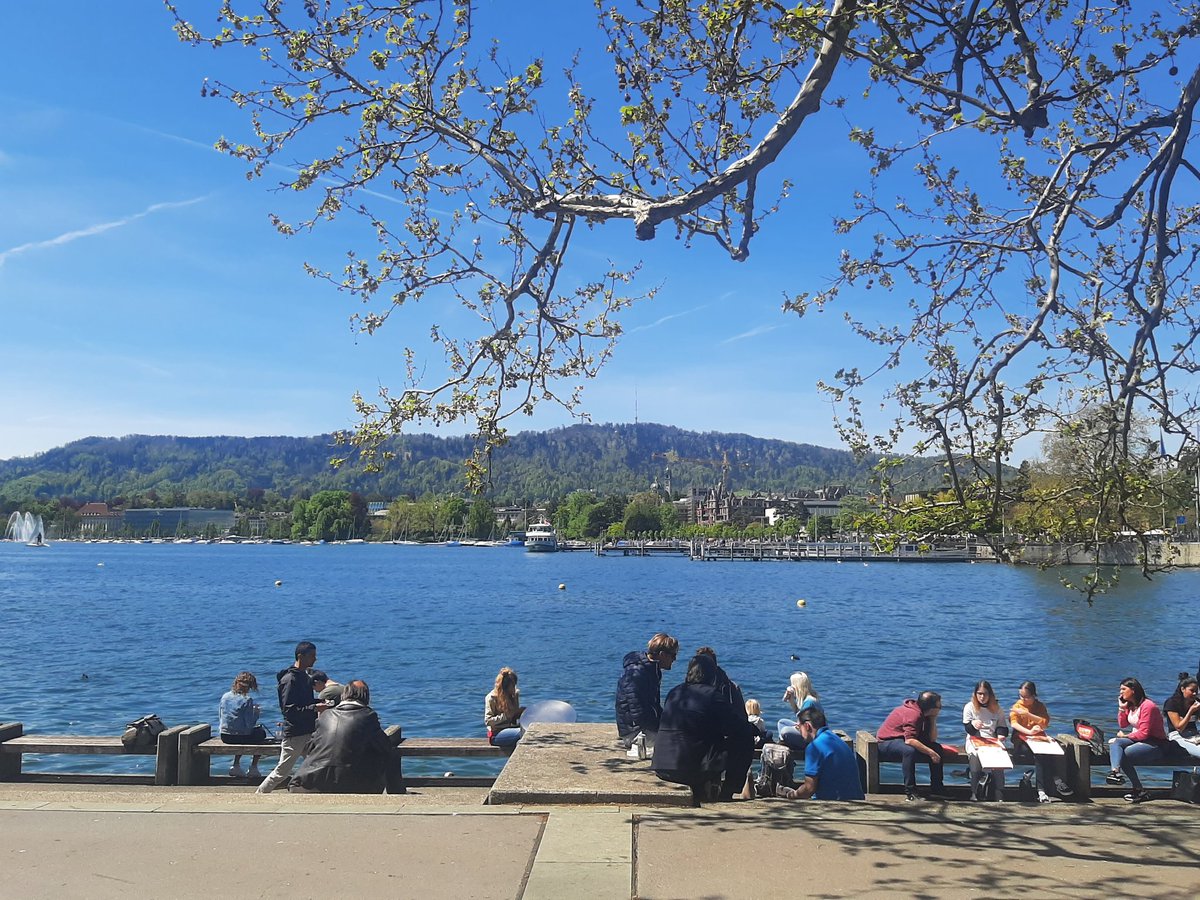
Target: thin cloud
pixel 93 230
pixel 753 332
pixel 665 319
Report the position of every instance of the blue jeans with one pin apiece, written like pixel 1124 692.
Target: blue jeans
pixel 1124 754
pixel 790 736
pixel 507 737
pixel 898 750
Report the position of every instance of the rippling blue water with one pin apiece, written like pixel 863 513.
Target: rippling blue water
pixel 164 628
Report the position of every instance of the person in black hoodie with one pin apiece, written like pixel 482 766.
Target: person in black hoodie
pixel 740 747
pixel 639 704
pixel 299 707
pixel 350 753
pixel 699 739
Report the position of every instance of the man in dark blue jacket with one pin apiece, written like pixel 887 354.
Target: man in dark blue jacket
pixel 299 707
pixel 639 699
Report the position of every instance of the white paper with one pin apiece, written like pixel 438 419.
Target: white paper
pixel 1046 748
pixel 993 756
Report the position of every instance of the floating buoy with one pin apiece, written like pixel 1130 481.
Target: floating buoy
pixel 447 774
pixel 794 656
pixel 562 587
pixel 801 604
pixel 278 583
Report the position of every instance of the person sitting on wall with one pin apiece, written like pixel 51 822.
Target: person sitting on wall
pixel 238 714
pixel 326 689
pixel 350 753
pixel 910 731
pixel 830 767
pixel 502 710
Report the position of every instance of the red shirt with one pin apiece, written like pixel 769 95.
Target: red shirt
pixel 905 721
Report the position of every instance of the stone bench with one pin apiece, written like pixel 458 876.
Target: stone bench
pixel 1081 759
pixel 197 746
pixel 14 744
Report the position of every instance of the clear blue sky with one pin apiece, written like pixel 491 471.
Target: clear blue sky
pixel 143 290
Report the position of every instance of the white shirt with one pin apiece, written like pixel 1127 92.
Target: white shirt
pixel 989 722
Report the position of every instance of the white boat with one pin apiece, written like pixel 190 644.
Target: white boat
pixel 540 538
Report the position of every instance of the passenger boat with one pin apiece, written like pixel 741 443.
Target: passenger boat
pixel 540 538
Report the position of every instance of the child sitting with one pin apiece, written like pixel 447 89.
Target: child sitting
pixel 754 715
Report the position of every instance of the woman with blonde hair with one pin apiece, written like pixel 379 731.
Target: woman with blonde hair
pixel 239 721
pixel 502 710
pixel 800 695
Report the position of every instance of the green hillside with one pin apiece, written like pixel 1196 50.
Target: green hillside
pixel 533 466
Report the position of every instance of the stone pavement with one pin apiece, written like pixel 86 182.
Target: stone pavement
pixel 99 842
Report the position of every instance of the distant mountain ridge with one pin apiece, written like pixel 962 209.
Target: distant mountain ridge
pixel 532 466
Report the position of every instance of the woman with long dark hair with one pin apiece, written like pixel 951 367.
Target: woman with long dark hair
pixel 1029 719
pixel 1182 712
pixel 1142 743
pixel 502 710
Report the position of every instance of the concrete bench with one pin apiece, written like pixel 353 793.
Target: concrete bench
pixel 1081 759
pixel 14 744
pixel 197 746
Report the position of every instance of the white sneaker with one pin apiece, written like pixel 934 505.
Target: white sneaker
pixel 1043 797
pixel 235 771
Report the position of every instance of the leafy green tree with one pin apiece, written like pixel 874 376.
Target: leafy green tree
pixel 1055 274
pixel 481 520
pixel 327 516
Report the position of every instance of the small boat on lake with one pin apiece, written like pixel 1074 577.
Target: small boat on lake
pixel 540 538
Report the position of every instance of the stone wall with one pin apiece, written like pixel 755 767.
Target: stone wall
pixel 1121 553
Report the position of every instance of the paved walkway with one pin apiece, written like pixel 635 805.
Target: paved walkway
pixel 100 842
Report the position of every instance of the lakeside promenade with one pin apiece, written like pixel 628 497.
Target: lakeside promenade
pixel 95 841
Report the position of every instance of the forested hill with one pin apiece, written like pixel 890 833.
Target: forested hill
pixel 533 466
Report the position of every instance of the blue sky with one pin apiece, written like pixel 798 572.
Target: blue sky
pixel 143 290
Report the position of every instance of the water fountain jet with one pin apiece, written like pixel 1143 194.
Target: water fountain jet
pixel 27 528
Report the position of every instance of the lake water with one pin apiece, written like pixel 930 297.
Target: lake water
pixel 164 628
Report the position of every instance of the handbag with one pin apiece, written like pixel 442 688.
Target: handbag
pixel 1185 786
pixel 143 732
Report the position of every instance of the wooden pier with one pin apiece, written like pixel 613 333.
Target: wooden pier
pixel 835 551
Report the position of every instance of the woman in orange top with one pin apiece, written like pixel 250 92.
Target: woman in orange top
pixel 1029 718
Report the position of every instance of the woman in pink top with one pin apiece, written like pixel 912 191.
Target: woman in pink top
pixel 1142 743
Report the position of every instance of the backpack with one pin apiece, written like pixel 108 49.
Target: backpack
pixel 1026 792
pixel 777 769
pixel 1092 736
pixel 143 732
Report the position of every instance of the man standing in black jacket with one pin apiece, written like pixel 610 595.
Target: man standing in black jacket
pixel 299 707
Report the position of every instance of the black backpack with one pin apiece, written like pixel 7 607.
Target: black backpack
pixel 1092 736
pixel 777 769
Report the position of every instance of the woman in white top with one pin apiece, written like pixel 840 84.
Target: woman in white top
pixel 983 718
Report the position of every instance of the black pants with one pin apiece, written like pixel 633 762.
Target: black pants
pixel 257 736
pixel 897 750
pixel 739 756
